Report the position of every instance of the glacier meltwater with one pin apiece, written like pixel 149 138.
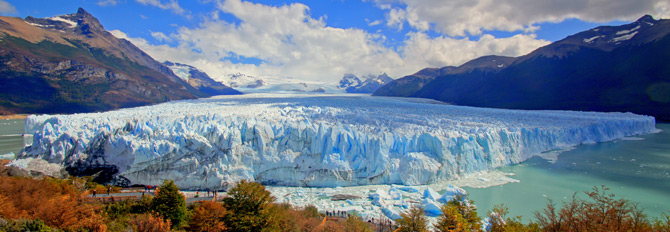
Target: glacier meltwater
pixel 312 140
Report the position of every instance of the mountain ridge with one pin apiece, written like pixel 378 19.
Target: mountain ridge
pixel 71 64
pixel 370 83
pixel 608 68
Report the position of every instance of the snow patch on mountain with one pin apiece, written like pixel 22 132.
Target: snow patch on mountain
pixel 627 31
pixel 182 71
pixel 312 140
pixel 624 37
pixel 590 40
pixel 70 22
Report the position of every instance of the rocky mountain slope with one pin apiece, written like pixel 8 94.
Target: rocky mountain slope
pixel 608 68
pixel 199 79
pixel 370 83
pixel 70 63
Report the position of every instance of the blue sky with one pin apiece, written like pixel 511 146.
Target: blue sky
pixel 320 40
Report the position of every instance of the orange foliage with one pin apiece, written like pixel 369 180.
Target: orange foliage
pixel 208 217
pixel 150 223
pixel 55 202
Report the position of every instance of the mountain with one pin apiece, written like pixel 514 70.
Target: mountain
pixel 70 63
pixel 199 79
pixel 408 85
pixel 609 68
pixel 352 84
pixel 239 80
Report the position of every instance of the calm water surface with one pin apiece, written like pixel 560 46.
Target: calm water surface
pixel 638 170
pixel 10 136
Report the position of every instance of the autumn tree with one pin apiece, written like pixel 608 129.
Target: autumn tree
pixel 468 211
pixel 57 203
pixel 601 212
pixel 354 223
pixel 208 216
pixel 451 220
pixel 169 203
pixel 249 205
pixel 413 221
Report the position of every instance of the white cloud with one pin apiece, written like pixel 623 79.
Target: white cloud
pixel 373 23
pixel 421 50
pixel 160 36
pixel 396 18
pixel 456 18
pixel 172 5
pixel 6 8
pixel 290 43
pixel 108 2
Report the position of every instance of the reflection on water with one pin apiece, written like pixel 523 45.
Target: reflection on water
pixel 637 169
pixel 10 136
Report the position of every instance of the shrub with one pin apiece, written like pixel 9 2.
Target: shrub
pixel 149 222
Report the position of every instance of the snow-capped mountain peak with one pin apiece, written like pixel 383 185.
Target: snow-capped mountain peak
pixel 240 80
pixel 349 80
pixel 370 83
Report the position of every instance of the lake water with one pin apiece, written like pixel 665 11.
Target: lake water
pixel 10 136
pixel 637 169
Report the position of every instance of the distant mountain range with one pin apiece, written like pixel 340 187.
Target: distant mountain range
pixel 370 83
pixel 609 68
pixel 70 63
pixel 199 79
pixel 239 80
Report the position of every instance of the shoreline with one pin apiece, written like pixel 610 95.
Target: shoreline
pixel 13 116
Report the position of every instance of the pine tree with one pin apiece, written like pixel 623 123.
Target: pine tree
pixel 170 204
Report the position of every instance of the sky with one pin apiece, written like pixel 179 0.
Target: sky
pixel 321 40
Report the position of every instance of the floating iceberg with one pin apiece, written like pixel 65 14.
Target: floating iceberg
pixel 311 140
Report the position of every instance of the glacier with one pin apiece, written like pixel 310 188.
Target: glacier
pixel 313 140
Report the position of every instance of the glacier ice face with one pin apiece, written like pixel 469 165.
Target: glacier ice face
pixel 312 140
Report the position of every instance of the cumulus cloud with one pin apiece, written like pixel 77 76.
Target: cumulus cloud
pixel 172 5
pixel 291 43
pixel 420 49
pixel 6 8
pixel 456 18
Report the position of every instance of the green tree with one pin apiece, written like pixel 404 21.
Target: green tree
pixel 413 221
pixel 169 203
pixel 249 205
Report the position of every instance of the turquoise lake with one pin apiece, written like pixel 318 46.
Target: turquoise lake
pixel 637 169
